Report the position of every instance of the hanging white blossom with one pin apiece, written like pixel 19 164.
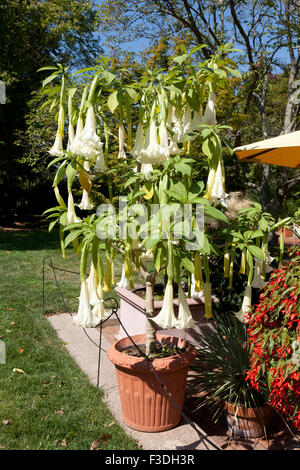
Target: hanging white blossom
pixel 153 153
pixel 124 282
pixel 121 154
pixel 246 305
pixel 257 281
pixel 100 164
pixel 139 141
pixel 218 191
pixel 184 318
pixel 85 203
pixel 71 136
pixel 194 293
pixel 87 143
pixel 84 317
pixel 71 214
pixel 209 116
pixel 57 148
pixel 166 317
pixel 92 283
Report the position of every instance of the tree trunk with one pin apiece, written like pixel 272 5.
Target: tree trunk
pixel 150 329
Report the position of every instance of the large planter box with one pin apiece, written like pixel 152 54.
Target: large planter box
pixel 133 315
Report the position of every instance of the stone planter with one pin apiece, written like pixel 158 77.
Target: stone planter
pixel 145 406
pixel 247 422
pixel 133 315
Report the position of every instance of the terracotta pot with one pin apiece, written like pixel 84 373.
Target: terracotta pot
pixel 247 422
pixel 145 405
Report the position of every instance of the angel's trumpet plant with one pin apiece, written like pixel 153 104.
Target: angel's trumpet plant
pixel 124 281
pixel 84 315
pixel 194 293
pixel 92 283
pixel 139 141
pixel 85 203
pixel 92 143
pixel 153 153
pixel 71 214
pixel 99 310
pixel 166 317
pixel 246 304
pixel 258 282
pixel 209 116
pixel 121 154
pixel 217 192
pixel 198 272
pixel 57 148
pixel 184 318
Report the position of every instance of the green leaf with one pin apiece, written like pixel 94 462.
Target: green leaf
pixel 183 168
pixel 60 173
pixel 51 225
pixel 188 264
pixel 256 251
pixel 72 235
pixel 215 213
pixel 49 79
pixel 108 76
pixel 112 101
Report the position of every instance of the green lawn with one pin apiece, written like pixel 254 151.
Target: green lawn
pixel 52 405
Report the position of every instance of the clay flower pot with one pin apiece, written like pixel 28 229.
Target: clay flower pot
pixel 145 405
pixel 247 422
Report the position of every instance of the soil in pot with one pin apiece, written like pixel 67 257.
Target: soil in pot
pixel 161 350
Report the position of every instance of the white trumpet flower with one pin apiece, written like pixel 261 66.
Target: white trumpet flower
pixel 139 141
pixel 153 153
pixel 71 214
pixel 194 293
pixel 257 281
pixel 87 143
pixel 166 317
pixel 92 283
pixel 246 304
pixel 177 126
pixel 71 136
pixel 85 203
pixel 173 148
pixel 121 154
pixel 187 121
pixel 218 191
pixel 209 116
pixel 57 148
pixel 84 317
pixel 124 282
pixel 99 310
pixel 146 169
pixel 184 319
pixel 100 164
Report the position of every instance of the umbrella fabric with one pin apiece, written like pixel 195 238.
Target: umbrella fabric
pixel 283 150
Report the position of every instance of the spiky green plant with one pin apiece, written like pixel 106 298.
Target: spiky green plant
pixel 220 368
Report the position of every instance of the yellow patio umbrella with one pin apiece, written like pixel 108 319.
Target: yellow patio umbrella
pixel 283 150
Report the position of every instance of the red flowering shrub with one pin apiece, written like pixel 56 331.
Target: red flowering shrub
pixel 274 336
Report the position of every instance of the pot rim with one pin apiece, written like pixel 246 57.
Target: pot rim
pixel 179 361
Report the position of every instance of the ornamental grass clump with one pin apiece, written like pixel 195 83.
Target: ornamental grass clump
pixel 274 337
